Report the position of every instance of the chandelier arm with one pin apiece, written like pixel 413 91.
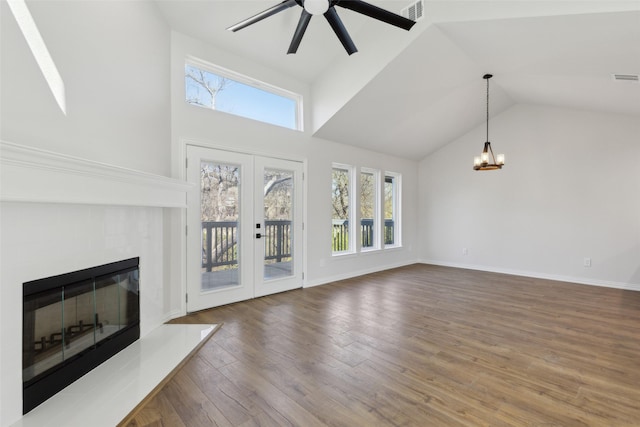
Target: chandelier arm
pixel 492 156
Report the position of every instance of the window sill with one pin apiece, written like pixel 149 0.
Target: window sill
pixel 343 254
pixel 370 250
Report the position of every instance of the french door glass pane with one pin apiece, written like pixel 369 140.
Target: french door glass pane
pixel 220 213
pixel 278 227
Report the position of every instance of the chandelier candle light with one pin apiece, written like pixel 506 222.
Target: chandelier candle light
pixel 481 163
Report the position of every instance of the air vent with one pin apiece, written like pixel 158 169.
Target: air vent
pixel 414 11
pixel 626 77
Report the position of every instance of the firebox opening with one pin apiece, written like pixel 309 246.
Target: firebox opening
pixel 74 322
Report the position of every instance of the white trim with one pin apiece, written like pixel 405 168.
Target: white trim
pixel 538 275
pixel 397 209
pixel 31 174
pixel 351 274
pixel 233 149
pixel 377 209
pixel 353 206
pixel 173 314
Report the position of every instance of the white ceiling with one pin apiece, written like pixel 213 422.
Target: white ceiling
pixel 558 53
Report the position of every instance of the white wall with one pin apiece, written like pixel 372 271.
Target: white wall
pixel 216 129
pixel 113 57
pixel 570 190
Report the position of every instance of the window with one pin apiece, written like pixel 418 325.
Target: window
pixel 376 197
pixel 218 89
pixel 341 202
pixel 391 209
pixel 369 225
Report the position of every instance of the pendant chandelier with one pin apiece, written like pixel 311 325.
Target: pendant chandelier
pixel 487 161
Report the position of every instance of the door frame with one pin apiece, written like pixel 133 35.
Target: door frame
pixel 178 222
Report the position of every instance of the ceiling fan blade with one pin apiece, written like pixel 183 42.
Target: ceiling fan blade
pixel 305 18
pixel 336 23
pixel 286 4
pixel 376 12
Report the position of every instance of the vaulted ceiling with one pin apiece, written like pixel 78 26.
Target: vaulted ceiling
pixel 409 93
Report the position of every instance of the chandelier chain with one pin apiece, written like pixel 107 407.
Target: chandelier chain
pixel 487 110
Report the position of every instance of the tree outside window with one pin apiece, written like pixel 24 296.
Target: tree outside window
pixel 391 208
pixel 369 233
pixel 341 208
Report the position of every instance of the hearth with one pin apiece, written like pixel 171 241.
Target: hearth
pixel 74 322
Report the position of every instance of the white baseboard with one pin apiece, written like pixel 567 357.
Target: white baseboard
pixel 538 275
pixel 173 315
pixel 351 274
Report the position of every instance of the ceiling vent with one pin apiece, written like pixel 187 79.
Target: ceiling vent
pixel 626 77
pixel 414 11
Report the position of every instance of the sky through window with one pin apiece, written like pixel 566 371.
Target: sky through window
pixel 222 93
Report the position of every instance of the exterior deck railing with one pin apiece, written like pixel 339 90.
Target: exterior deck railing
pixel 341 234
pixel 220 238
pixel 277 236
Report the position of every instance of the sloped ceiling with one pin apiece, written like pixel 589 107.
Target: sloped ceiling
pixel 408 94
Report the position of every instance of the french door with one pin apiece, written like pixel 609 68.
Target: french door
pixel 244 227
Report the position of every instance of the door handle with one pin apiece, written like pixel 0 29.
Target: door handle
pixel 258 235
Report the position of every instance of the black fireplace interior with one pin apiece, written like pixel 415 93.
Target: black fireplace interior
pixel 74 322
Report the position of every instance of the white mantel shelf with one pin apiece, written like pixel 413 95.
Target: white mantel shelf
pixel 30 174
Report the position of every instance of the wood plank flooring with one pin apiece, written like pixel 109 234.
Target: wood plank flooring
pixel 415 346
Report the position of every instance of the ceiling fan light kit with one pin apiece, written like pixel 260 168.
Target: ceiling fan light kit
pixel 487 161
pixel 327 9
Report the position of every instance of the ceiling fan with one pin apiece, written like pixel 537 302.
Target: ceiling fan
pixel 326 8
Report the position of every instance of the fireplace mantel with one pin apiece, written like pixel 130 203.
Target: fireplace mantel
pixel 62 213
pixel 29 174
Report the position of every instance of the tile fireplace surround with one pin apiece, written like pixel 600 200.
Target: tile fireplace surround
pixel 59 214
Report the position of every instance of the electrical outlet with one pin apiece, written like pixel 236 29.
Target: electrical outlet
pixel 587 262
pixel 465 251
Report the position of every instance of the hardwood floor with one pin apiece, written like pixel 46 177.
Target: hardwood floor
pixel 415 346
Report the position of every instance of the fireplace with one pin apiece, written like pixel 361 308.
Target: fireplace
pixel 75 321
